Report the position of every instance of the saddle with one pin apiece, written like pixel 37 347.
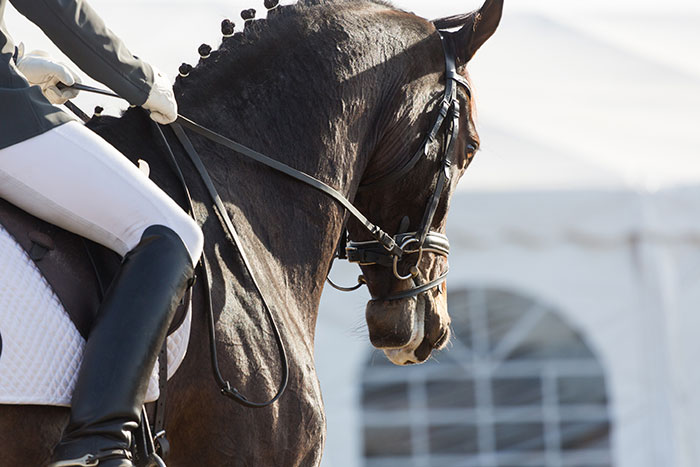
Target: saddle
pixel 78 270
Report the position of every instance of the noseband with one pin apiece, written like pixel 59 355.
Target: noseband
pixel 424 240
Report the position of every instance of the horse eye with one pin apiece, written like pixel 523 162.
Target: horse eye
pixel 472 148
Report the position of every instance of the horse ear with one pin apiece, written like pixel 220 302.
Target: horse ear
pixel 479 26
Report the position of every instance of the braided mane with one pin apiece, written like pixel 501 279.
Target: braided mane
pixel 256 35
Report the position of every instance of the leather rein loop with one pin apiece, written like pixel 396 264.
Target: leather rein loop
pixel 225 219
pixel 224 386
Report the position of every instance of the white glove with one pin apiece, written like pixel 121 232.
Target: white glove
pixel 161 100
pixel 41 70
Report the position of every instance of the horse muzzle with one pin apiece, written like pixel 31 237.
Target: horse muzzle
pixel 409 330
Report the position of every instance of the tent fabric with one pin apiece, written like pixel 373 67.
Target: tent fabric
pixel 605 98
pixel 593 219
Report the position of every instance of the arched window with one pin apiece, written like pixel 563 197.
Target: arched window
pixel 517 387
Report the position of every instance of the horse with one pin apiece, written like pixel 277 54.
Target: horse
pixel 346 91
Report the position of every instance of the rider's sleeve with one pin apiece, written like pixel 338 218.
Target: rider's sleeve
pixel 82 35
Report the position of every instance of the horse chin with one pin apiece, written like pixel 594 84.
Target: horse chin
pixel 406 355
pixel 408 330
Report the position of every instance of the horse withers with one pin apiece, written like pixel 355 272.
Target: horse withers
pixel 347 91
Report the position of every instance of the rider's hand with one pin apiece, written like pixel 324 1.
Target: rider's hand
pixel 161 100
pixel 41 70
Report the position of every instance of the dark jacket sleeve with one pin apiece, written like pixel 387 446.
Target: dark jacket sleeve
pixel 82 35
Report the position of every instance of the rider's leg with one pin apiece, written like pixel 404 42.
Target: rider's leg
pixel 74 179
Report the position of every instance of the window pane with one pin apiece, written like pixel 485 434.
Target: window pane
pixel 520 459
pixel 450 393
pixel 551 338
pixel 445 417
pixel 381 442
pixel 392 396
pixel 504 311
pixel 525 463
pixel 388 461
pixel 585 435
pixel 516 391
pixel 453 439
pixel 519 436
pixel 460 306
pixel 582 390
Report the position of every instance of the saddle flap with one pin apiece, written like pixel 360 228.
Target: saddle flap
pixel 78 270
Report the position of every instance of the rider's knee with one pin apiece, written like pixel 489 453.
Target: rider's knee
pixel 180 229
pixel 191 235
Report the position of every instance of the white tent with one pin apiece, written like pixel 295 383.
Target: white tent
pixel 584 198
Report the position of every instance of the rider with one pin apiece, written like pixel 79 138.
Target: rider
pixel 58 170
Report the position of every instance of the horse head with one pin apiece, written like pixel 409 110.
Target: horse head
pixel 402 181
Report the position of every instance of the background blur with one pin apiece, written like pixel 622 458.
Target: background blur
pixel 575 264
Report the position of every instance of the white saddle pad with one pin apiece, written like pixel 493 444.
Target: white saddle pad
pixel 41 348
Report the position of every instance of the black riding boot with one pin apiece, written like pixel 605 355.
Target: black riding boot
pixel 121 351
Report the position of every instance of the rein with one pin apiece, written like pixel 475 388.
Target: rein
pixel 224 385
pixel 385 250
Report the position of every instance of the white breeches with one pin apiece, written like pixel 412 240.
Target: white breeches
pixel 74 179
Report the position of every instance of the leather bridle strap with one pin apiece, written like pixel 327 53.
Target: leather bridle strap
pixel 378 234
pixel 414 291
pixel 453 111
pixel 451 78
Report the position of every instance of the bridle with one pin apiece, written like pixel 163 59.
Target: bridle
pixel 424 240
pixel 385 250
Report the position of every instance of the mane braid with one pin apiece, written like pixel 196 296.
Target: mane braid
pixel 336 2
pixel 246 42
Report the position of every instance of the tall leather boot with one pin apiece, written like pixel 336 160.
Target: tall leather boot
pixel 121 351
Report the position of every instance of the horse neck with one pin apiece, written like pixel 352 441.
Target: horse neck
pixel 289 230
pixel 319 109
